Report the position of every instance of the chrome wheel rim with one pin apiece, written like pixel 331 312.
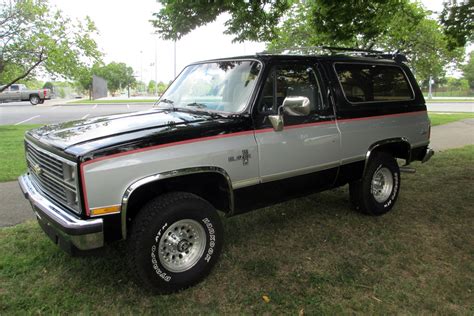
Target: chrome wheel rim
pixel 182 245
pixel 382 184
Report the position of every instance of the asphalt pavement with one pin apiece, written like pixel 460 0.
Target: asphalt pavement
pixel 25 113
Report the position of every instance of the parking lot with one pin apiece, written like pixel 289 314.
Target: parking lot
pixel 25 113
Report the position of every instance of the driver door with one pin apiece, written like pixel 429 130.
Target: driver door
pixel 308 143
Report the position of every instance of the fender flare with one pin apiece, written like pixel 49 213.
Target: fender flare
pixel 167 175
pixel 383 142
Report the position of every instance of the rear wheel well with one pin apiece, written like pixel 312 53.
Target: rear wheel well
pixel 398 149
pixel 211 186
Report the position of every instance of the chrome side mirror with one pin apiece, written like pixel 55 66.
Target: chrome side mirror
pixel 277 122
pixel 297 106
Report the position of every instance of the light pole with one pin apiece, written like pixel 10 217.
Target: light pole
pixel 141 67
pixel 174 59
pixel 156 66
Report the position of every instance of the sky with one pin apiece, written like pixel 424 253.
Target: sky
pixel 126 35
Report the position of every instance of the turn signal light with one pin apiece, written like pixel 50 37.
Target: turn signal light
pixel 105 210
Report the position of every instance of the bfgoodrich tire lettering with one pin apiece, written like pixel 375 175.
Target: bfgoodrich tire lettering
pixel 175 241
pixel 377 191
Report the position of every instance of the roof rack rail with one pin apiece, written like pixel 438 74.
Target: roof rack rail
pixel 309 50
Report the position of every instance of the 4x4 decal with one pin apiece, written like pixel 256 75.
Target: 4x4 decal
pixel 244 157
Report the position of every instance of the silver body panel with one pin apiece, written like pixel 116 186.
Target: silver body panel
pixel 272 155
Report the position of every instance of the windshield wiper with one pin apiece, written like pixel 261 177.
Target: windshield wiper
pixel 165 101
pixel 198 105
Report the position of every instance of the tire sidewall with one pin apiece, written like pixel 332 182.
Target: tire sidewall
pixel 382 161
pixel 34 99
pixel 153 271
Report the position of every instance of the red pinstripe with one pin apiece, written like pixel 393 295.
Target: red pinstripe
pixel 202 139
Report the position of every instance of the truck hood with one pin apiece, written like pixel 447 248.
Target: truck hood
pixel 79 137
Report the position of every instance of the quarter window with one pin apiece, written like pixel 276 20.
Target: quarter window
pixel 373 83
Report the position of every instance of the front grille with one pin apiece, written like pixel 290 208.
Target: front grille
pixel 54 175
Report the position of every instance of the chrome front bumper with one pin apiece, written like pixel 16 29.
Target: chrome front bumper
pixel 429 153
pixel 66 230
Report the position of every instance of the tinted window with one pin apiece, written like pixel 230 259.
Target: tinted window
pixel 286 81
pixel 369 83
pixel 14 87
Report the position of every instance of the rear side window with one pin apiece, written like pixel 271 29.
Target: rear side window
pixel 373 83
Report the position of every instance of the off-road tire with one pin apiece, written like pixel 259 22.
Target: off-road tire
pixel 34 99
pixel 149 233
pixel 364 194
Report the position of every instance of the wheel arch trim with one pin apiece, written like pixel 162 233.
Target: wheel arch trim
pixel 167 175
pixel 374 146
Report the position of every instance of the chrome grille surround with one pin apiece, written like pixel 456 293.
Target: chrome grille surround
pixel 54 175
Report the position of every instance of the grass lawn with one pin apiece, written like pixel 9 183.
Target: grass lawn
pixel 312 254
pixel 444 118
pixel 113 101
pixel 12 151
pixel 448 100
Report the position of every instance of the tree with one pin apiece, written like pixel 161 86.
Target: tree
pixel 250 20
pixel 151 87
pixel 404 27
pixel 118 76
pixel 457 18
pixel 162 87
pixel 468 70
pixel 35 36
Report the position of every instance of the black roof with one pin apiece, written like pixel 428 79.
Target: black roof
pixel 386 58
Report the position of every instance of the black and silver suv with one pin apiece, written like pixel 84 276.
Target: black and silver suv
pixel 229 135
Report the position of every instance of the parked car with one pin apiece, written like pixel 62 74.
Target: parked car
pixel 231 135
pixel 19 92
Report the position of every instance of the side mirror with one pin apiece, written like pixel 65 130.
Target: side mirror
pixel 294 106
pixel 297 106
pixel 277 122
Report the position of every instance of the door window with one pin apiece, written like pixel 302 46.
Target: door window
pixel 289 81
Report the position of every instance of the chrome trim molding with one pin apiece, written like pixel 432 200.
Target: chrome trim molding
pixel 83 234
pixel 171 174
pixel 385 142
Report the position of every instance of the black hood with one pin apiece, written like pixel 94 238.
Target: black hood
pixel 139 128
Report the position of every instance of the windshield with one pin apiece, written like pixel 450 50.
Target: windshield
pixel 218 86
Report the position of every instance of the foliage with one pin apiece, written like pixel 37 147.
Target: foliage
pixel 389 26
pixel 34 35
pixel 468 70
pixel 48 85
pixel 249 20
pixel 118 75
pixel 457 18
pixel 162 87
pixel 151 87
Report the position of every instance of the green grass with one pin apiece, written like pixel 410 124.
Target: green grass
pixel 12 152
pixel 448 100
pixel 113 101
pixel 312 254
pixel 444 118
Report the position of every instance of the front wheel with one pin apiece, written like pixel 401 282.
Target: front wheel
pixel 175 241
pixel 377 191
pixel 34 99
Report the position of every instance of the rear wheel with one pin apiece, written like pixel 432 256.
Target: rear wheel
pixel 377 191
pixel 34 99
pixel 175 241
